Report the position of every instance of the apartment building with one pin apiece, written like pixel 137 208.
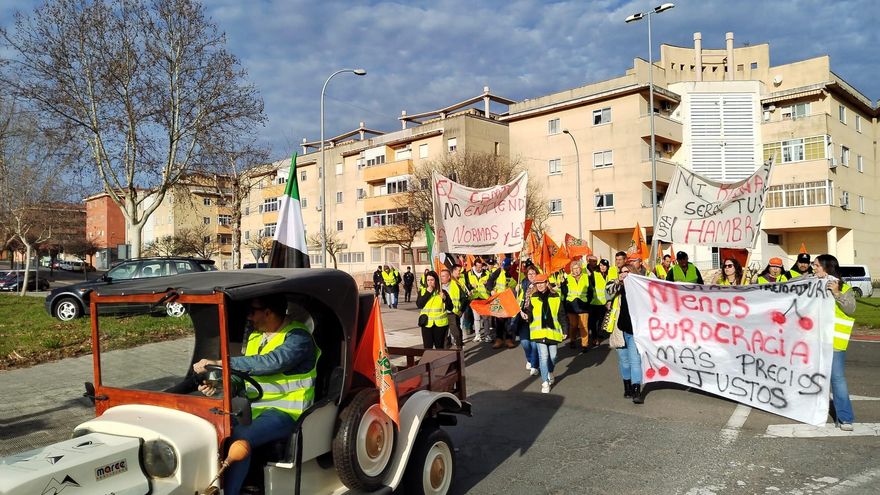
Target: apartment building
pixel 719 112
pixel 367 178
pixel 105 229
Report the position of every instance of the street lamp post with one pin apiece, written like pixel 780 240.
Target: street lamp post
pixel 578 165
pixel 357 72
pixel 637 17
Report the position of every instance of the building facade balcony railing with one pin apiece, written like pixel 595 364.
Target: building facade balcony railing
pixel 377 173
pixel 665 128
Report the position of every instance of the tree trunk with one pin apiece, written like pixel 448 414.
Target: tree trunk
pixel 236 229
pixel 27 266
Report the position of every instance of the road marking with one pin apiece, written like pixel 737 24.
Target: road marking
pixel 730 432
pixel 826 430
pixel 862 397
pixel 861 479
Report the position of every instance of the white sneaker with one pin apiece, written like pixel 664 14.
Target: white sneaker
pixel 528 365
pixel 846 426
pixel 550 378
pixel 545 388
pixel 534 372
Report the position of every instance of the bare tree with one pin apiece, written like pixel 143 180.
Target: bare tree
pixel 401 234
pixel 199 241
pixel 146 85
pixel 334 244
pixel 264 244
pixel 169 245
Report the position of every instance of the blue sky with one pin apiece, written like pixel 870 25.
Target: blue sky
pixel 422 56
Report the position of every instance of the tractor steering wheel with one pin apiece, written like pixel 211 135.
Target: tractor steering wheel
pixel 214 372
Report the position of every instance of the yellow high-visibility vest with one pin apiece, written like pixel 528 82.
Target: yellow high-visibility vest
pixel 292 394
pixel 577 288
pixel 679 276
pixel 436 311
pixel 843 325
pixel 600 282
pixel 536 327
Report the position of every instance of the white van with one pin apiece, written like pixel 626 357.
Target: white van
pixel 859 278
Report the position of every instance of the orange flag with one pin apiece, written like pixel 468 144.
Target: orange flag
pixel 501 305
pixel 533 246
pixel 803 248
pixel 671 252
pixel 638 248
pixel 576 247
pixel 548 250
pixel 371 360
pixel 559 260
pixel 527 227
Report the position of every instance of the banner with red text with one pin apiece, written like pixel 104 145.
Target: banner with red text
pixel 479 221
pixel 697 210
pixel 767 346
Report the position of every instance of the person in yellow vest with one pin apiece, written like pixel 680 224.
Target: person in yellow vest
pixel 449 283
pixel 826 267
pixel 684 271
pixel 391 279
pixel 801 267
pixel 731 273
pixel 434 304
pixel 662 270
pixel 619 261
pixel 576 292
pixel 546 327
pixel 523 297
pixel 475 282
pixel 501 331
pixel 282 357
pixel 598 273
pixel 629 362
pixel 772 273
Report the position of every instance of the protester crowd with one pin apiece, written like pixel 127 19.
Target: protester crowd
pixel 584 304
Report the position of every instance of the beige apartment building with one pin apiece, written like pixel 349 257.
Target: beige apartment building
pixel 719 112
pixel 368 171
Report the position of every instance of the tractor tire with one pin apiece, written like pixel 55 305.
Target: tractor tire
pixel 363 445
pixel 431 466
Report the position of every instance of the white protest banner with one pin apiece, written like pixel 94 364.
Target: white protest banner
pixel 768 346
pixel 479 221
pixel 697 210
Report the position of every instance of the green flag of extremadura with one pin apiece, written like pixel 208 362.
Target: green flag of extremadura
pixel 289 249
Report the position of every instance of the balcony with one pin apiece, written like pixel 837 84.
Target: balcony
pixel 665 171
pixel 386 202
pixel 781 130
pixel 378 173
pixel 666 129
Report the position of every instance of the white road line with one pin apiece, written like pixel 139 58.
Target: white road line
pixel 864 478
pixel 862 397
pixel 827 430
pixel 730 432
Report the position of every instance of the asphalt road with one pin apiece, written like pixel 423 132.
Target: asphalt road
pixel 583 437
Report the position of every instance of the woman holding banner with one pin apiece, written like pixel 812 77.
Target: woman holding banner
pixel 731 273
pixel 826 267
pixel 546 324
pixel 434 302
pixel 628 360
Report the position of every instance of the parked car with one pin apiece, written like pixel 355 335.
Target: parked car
pixel 71 302
pixel 247 266
pixel 859 278
pixel 76 266
pixel 10 281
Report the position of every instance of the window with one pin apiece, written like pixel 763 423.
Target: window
pixel 247 210
pixel 602 159
pixel 320 172
pixel 339 226
pixel 553 126
pixel 844 156
pixel 375 254
pixel 206 201
pixel 269 205
pixel 796 111
pixel 860 163
pixel 555 166
pixel 360 223
pixel 844 199
pixel 396 185
pixel 555 206
pixel 497 148
pixel 386 217
pixel 841 113
pixel 861 204
pixel 269 229
pixel 206 220
pixel 379 160
pixel 303 203
pixel 361 193
pixel 403 153
pixel 338 169
pixel 224 219
pixel 452 144
pixel 423 151
pixel 814 193
pixel 224 239
pixel 796 150
pixel 602 116
pixel 774 239
pixel 247 235
pixel 281 180
pixel 754 66
pixel 302 176
pixel 351 257
pixel 339 196
pixel 605 201
pixel 858 123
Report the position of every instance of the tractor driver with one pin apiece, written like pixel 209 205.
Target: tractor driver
pixel 282 357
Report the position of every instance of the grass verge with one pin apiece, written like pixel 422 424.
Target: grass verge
pixel 29 336
pixel 868 316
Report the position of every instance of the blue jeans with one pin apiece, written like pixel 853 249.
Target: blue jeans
pixel 628 360
pixel 546 359
pixel 269 426
pixel 839 394
pixel 529 348
pixel 392 299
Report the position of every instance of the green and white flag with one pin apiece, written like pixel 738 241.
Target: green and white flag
pixel 289 248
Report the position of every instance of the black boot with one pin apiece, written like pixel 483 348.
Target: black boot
pixel 637 394
pixel 627 389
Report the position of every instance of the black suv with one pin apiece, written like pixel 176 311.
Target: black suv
pixel 71 302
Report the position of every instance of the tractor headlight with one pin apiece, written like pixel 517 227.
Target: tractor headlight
pixel 160 460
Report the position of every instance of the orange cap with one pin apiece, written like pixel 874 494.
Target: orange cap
pixel 776 262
